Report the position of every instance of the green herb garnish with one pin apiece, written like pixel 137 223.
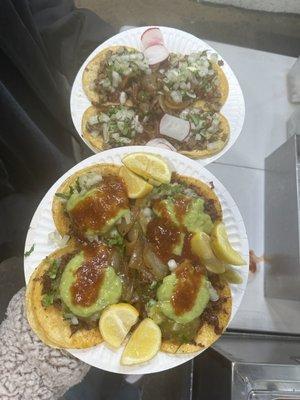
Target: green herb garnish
pixel 27 253
pixel 116 240
pixel 52 271
pixel 47 299
pixel 62 196
pixel 168 189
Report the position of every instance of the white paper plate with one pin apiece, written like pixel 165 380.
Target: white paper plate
pixel 42 224
pixel 176 41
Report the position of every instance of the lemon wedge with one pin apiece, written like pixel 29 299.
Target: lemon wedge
pixel 154 182
pixel 222 248
pixel 232 276
pixel 200 245
pixel 148 166
pixel 143 344
pixel 116 321
pixel 137 188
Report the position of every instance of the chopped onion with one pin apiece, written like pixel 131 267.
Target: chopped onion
pixel 155 265
pixel 147 212
pixel 93 120
pixel 172 264
pixel 57 239
pixel 74 320
pixel 174 127
pixel 213 294
pixel 176 95
pixel 123 97
pixel 89 180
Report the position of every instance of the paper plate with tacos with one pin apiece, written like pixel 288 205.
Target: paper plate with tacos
pixel 158 86
pixel 136 261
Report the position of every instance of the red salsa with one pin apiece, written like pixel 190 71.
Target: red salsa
pixel 94 211
pixel 90 275
pixel 187 287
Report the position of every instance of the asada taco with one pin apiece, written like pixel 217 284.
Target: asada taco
pixel 209 132
pixel 186 79
pixel 111 73
pixel 48 315
pixel 113 126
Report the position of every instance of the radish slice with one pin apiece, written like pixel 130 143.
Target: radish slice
pixel 151 37
pixel 174 127
pixel 156 54
pixel 160 142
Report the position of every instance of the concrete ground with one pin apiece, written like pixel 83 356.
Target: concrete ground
pixel 274 32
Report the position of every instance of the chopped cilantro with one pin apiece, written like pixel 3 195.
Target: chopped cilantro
pixel 47 299
pixel 52 271
pixel 78 188
pixel 153 284
pixel 168 189
pixel 116 240
pixel 27 253
pixel 62 196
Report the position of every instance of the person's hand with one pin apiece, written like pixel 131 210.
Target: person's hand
pixel 29 369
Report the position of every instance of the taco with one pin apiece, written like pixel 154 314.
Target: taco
pixel 49 316
pixel 111 73
pixel 209 133
pixel 113 126
pixel 90 202
pixel 187 78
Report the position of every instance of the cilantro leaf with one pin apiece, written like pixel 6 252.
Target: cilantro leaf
pixel 62 196
pixel 27 253
pixel 168 189
pixel 117 240
pixel 47 299
pixel 52 271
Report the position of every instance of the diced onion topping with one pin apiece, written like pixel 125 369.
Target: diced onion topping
pixel 172 265
pixel 118 126
pixel 213 294
pixel 56 239
pixel 189 72
pixel 205 126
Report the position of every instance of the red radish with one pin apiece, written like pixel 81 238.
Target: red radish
pixel 160 142
pixel 156 54
pixel 151 37
pixel 174 127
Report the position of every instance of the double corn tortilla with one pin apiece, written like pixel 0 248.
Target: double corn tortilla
pixel 48 323
pixel 90 73
pixel 60 217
